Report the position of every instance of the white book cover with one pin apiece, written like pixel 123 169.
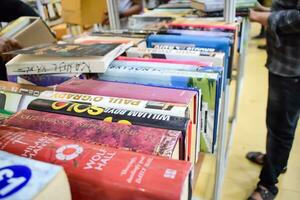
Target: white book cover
pixel 26 179
pixel 59 59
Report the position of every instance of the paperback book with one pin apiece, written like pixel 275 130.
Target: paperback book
pixel 102 171
pixel 64 58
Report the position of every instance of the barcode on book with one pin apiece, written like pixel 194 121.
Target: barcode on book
pixel 170 173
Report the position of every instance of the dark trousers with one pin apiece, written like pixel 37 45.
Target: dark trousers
pixel 282 116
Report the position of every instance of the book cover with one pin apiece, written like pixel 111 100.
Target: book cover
pixel 208 58
pixel 123 90
pixel 44 80
pixel 167 61
pixel 161 142
pixel 13 102
pixel 92 39
pixel 97 172
pixel 207 83
pixel 22 88
pixel 110 114
pixel 64 59
pixel 23 178
pixel 68 50
pixel 155 107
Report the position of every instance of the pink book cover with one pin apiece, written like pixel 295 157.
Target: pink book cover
pixel 99 173
pixel 125 90
pixel 203 25
pixel 142 139
pixel 170 61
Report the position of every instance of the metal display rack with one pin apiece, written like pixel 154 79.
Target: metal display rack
pixel 227 122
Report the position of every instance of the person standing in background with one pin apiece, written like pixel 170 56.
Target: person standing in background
pixel 128 8
pixel 283 107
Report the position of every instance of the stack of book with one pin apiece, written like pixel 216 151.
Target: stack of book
pixel 134 121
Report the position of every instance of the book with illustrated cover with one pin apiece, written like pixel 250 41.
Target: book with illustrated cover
pixel 161 142
pixel 209 84
pixel 216 58
pixel 64 58
pixel 101 171
pixel 22 88
pixel 154 107
pixel 23 178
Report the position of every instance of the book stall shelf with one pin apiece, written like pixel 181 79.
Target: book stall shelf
pixel 111 105
pixel 227 119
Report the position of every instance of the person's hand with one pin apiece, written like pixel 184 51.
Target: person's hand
pixel 260 17
pixel 7 45
pixel 261 8
pixel 106 19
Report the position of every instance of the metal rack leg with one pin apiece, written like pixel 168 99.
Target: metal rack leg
pixel 221 149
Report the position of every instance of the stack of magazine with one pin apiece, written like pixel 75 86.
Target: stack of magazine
pixel 128 113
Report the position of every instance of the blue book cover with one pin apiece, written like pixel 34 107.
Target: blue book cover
pixel 206 82
pixel 191 42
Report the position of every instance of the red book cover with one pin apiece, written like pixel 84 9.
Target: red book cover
pixel 125 90
pixel 161 142
pixel 97 172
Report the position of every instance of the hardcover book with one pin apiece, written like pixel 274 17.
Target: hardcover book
pixel 161 142
pixel 23 178
pixel 123 90
pixel 64 58
pixel 97 172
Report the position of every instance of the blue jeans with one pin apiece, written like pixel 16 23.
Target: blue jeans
pixel 282 117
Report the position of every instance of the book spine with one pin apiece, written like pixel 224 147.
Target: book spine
pixel 137 138
pixel 154 107
pixel 101 171
pixel 110 114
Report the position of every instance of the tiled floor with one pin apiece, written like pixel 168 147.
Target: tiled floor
pixel 241 176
